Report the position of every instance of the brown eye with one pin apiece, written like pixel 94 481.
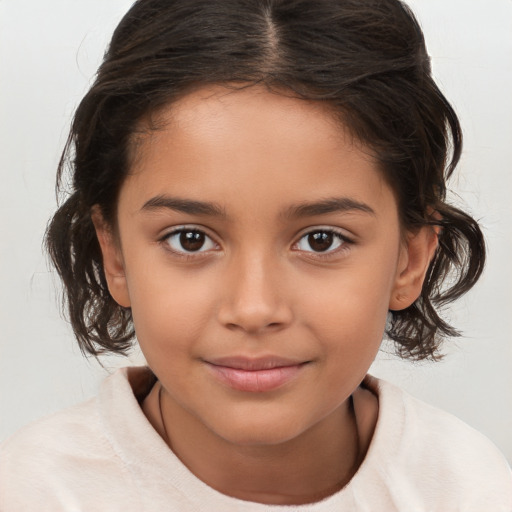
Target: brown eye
pixel 189 240
pixel 321 241
pixel 192 240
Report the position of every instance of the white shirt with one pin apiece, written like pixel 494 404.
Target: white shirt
pixel 104 455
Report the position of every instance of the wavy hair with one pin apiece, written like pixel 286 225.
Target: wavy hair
pixel 365 59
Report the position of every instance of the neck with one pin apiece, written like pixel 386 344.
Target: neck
pixel 307 468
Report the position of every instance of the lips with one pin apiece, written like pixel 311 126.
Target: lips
pixel 255 375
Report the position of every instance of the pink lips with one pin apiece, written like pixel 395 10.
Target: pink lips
pixel 255 375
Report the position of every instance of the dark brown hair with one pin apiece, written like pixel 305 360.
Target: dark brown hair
pixel 366 59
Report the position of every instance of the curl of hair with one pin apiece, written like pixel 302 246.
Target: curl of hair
pixel 99 323
pixel 365 59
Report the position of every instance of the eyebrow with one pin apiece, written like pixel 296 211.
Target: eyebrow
pixel 184 205
pixel 326 206
pixel 323 207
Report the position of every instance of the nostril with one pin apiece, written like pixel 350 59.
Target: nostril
pixel 245 326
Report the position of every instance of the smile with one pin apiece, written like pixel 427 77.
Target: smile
pixel 255 375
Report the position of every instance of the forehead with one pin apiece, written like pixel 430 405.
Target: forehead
pixel 211 104
pixel 211 114
pixel 214 142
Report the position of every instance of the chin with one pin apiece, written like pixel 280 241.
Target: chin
pixel 255 431
pixel 258 439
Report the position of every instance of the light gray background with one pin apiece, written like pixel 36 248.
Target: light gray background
pixel 49 50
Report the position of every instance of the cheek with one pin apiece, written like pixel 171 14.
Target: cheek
pixel 350 298
pixel 348 313
pixel 170 308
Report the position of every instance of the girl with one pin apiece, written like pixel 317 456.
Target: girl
pixel 258 194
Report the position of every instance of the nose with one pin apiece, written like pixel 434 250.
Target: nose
pixel 253 297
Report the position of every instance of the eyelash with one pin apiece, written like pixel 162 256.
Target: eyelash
pixel 344 241
pixel 183 254
pixel 342 238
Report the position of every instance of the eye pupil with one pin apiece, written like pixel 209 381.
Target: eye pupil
pixel 320 241
pixel 192 240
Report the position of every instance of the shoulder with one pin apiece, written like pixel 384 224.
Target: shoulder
pixel 59 460
pixel 436 453
pixel 63 432
pixel 461 444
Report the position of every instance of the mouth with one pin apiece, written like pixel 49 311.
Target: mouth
pixel 255 375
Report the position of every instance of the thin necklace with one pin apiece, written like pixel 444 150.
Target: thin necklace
pixel 167 439
pixel 357 461
pixel 357 456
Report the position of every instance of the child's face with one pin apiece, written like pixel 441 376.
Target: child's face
pixel 290 254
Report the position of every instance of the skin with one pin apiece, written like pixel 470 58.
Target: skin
pixel 259 287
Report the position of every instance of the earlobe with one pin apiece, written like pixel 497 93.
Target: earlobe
pixel 113 264
pixel 415 258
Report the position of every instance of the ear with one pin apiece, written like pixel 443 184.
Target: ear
pixel 416 254
pixel 113 264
